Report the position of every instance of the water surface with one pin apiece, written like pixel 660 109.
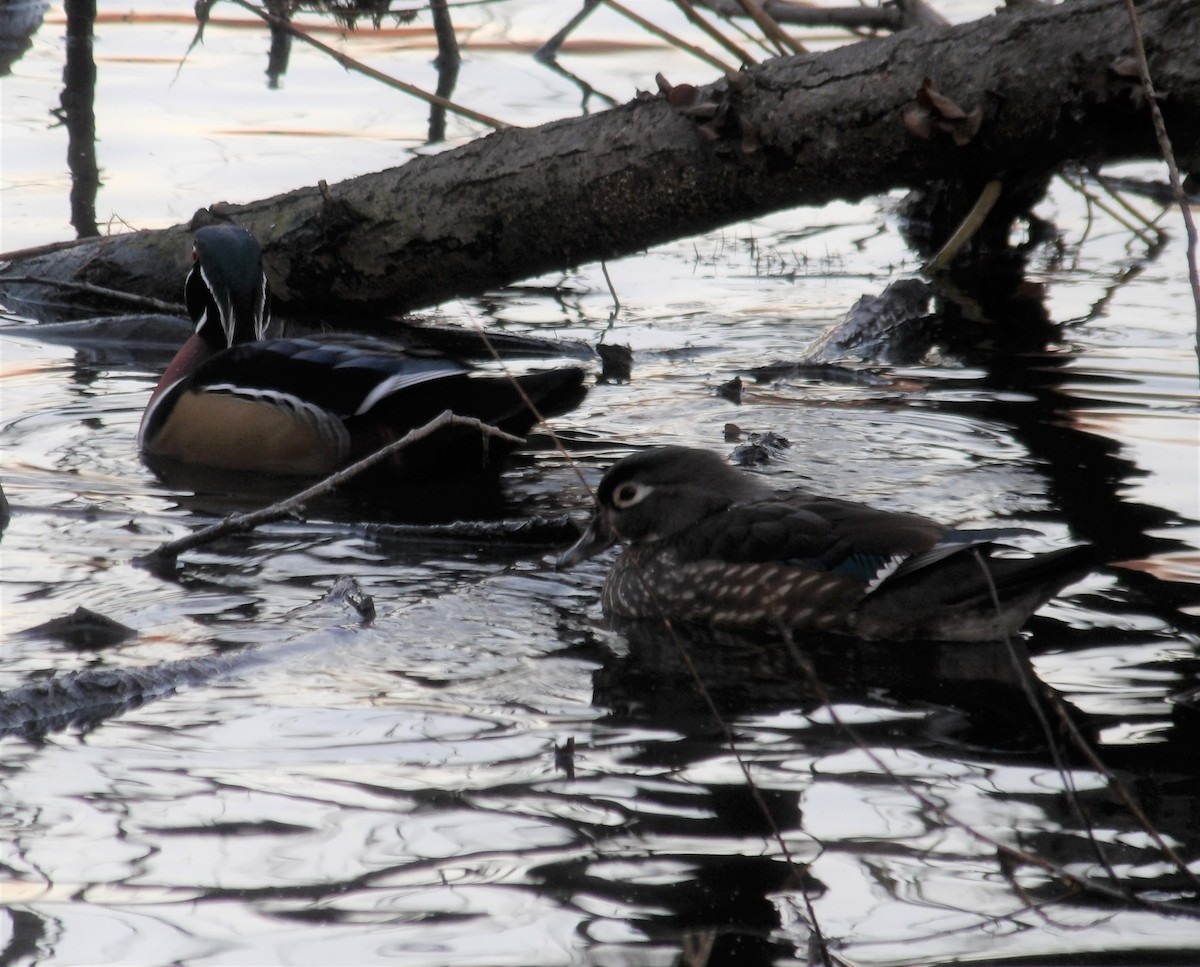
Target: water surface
pixel 397 791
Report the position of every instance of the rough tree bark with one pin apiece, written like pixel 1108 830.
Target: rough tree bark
pixel 1044 85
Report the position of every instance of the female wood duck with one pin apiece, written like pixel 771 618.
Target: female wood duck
pixel 234 400
pixel 709 543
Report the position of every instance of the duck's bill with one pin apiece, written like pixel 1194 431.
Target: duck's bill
pixel 595 539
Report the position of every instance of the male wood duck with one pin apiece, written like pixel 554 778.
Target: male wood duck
pixel 712 544
pixel 235 400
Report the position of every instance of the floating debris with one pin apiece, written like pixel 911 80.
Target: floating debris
pixel 90 696
pixel 524 531
pixel 349 592
pixel 84 629
pixel 890 327
pixel 564 757
pixel 616 363
pixel 759 448
pixel 732 390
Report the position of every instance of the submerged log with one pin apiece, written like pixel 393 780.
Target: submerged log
pixel 1020 92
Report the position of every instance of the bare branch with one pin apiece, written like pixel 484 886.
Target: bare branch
pixel 1164 140
pixel 355 65
pixel 236 523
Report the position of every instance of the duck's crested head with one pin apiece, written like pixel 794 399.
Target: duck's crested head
pixel 226 289
pixel 656 493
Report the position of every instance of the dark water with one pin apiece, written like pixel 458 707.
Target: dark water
pixel 401 790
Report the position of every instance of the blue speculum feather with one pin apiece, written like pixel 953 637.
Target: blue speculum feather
pixel 863 566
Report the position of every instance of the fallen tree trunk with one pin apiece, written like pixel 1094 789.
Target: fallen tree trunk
pixel 1038 86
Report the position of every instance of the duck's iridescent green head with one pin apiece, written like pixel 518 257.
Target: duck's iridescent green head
pixel 226 290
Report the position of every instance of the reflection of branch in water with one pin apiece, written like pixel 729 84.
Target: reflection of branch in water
pixel 447 62
pixel 772 827
pixel 235 523
pixel 1019 687
pixel 547 54
pixel 585 88
pixel 281 41
pixel 891 17
pixel 1071 880
pixel 89 696
pixel 1133 220
pixel 355 65
pixel 1141 227
pixel 78 113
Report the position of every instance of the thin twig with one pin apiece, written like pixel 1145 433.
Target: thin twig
pixel 671 38
pixel 813 924
pixel 145 302
pixel 612 289
pixel 1019 658
pixel 969 226
pixel 235 523
pixel 1120 789
pixel 355 65
pixel 1114 192
pixel 1071 880
pixel 525 398
pixel 694 16
pixel 767 24
pixel 1164 143
pixel 49 247
pixel 1093 199
pixel 447 62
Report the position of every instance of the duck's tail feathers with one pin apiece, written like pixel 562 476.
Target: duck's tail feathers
pixel 967 593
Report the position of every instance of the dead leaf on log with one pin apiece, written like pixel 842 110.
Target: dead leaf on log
pixel 714 106
pixel 1128 80
pixel 933 111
